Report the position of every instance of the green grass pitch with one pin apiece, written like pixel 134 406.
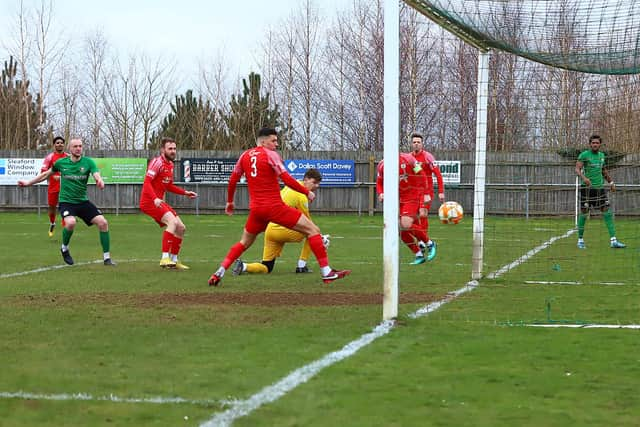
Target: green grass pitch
pixel 88 335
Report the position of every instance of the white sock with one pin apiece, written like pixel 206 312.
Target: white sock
pixel 325 270
pixel 106 255
pixel 174 257
pixel 220 271
pixel 65 247
pixel 165 254
pixel 302 263
pixel 613 239
pixel 419 253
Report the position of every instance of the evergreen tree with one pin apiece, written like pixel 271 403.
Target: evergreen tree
pixel 194 124
pixel 249 112
pixel 20 126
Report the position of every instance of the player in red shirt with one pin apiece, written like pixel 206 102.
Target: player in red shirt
pixel 54 181
pixel 410 189
pixel 262 166
pixel 429 168
pixel 158 180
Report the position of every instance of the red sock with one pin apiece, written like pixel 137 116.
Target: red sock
pixel 234 253
pixel 418 231
pixel 52 218
pixel 409 240
pixel 175 245
pixel 319 250
pixel 424 223
pixel 62 222
pixel 167 241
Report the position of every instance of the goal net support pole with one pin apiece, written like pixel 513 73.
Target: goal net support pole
pixel 481 163
pixel 391 153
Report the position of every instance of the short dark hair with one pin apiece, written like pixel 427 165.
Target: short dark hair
pixel 165 140
pixel 313 173
pixel 58 138
pixel 265 131
pixel 593 137
pixel 417 135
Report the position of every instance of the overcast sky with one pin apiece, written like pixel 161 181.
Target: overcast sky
pixel 184 30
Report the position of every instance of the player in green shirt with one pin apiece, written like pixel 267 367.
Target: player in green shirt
pixel 73 202
pixel 591 168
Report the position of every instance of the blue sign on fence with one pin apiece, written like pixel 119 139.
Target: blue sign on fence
pixel 334 172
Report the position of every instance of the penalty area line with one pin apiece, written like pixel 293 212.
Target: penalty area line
pixel 110 398
pixel 301 375
pixel 587 326
pixel 528 255
pixel 57 267
pixel 273 392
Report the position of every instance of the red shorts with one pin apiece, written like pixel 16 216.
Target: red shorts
pixel 410 208
pixel 52 198
pixel 281 214
pixel 156 213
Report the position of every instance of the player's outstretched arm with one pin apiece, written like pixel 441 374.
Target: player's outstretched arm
pixel 41 177
pixel 99 180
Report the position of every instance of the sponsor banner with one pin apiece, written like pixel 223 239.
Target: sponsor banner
pixel 216 171
pixel 334 172
pixel 14 170
pixel 121 170
pixel 450 170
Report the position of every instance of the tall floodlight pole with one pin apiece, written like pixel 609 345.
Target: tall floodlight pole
pixel 481 164
pixel 391 153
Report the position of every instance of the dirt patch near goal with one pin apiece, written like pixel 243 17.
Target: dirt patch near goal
pixel 263 299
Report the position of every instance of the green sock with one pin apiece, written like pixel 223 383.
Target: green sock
pixel 582 219
pixel 66 236
pixel 608 219
pixel 104 240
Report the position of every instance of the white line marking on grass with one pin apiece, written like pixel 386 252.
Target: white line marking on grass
pixel 240 408
pixel 43 269
pixel 528 255
pixel 111 398
pixel 273 392
pixel 57 267
pixel 544 282
pixel 589 326
pixel 449 297
pixel 301 375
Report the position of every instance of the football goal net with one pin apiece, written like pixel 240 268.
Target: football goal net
pixel 510 92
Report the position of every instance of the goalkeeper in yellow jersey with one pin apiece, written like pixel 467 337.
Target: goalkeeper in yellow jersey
pixel 276 235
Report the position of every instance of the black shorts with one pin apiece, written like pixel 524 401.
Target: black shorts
pixel 85 210
pixel 593 197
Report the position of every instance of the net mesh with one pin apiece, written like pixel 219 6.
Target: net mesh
pixel 594 36
pixel 558 73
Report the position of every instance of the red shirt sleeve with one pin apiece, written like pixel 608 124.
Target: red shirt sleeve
pixel 237 173
pixel 292 183
pixel 436 171
pixel 175 189
pixel 380 179
pixel 47 163
pixel 147 189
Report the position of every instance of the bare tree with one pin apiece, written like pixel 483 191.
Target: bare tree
pixel 420 79
pixel 279 52
pixel 50 47
pixel 334 98
pixel 151 93
pixel 118 105
pixel 307 72
pixel 91 107
pixel 214 83
pixel 69 86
